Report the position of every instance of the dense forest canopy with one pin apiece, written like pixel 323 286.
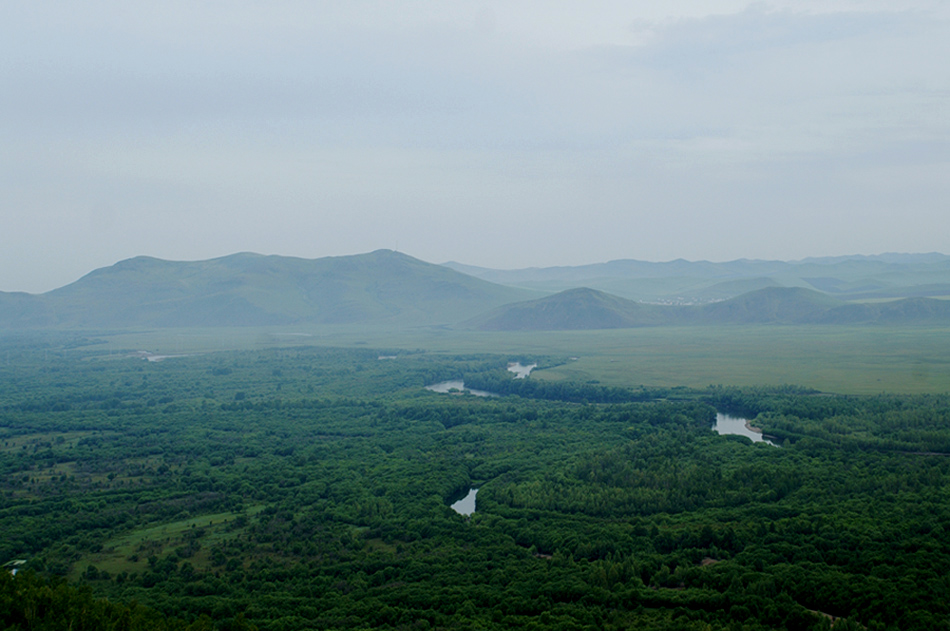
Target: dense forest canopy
pixel 307 488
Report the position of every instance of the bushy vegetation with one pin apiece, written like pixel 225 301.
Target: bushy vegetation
pixel 310 488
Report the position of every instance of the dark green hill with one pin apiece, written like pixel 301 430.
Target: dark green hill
pixel 591 309
pixel 386 287
pixel 908 311
pixel 579 309
pixel 693 282
pixel 22 310
pixel 252 290
pixel 774 305
pixel 796 305
pixel 573 309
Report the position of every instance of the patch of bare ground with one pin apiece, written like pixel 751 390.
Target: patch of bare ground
pixel 838 622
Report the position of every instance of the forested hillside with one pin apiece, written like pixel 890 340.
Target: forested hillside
pixel 310 488
pixel 254 290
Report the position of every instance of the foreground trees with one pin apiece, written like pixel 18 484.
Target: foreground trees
pixel 309 488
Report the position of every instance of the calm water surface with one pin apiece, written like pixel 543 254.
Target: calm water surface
pixel 521 371
pixel 446 387
pixel 726 424
pixel 466 505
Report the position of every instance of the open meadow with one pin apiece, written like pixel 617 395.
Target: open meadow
pixel 839 359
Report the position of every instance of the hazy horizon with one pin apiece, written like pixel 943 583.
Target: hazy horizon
pixel 488 267
pixel 501 135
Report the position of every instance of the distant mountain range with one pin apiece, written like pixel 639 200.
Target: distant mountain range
pixel 695 282
pixel 584 308
pixel 390 288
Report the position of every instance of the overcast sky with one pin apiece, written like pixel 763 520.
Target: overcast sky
pixel 496 133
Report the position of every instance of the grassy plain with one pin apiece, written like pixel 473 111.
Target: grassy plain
pixel 842 359
pixel 129 552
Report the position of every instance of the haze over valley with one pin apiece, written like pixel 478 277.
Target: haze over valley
pixel 481 315
pixel 395 289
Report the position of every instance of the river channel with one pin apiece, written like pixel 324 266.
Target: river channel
pixel 725 424
pixel 457 386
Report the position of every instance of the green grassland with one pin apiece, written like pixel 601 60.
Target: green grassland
pixel 841 359
pixel 189 538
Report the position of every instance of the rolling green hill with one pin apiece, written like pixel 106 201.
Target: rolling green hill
pixel 578 309
pixel 252 290
pixel 22 310
pixel 393 289
pixel 574 309
pixel 906 311
pixel 884 276
pixel 771 305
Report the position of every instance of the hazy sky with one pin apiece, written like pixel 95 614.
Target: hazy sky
pixel 503 134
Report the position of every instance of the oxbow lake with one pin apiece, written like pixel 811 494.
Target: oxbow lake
pixel 726 424
pixel 466 505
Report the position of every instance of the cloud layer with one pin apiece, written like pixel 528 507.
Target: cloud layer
pixel 497 134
